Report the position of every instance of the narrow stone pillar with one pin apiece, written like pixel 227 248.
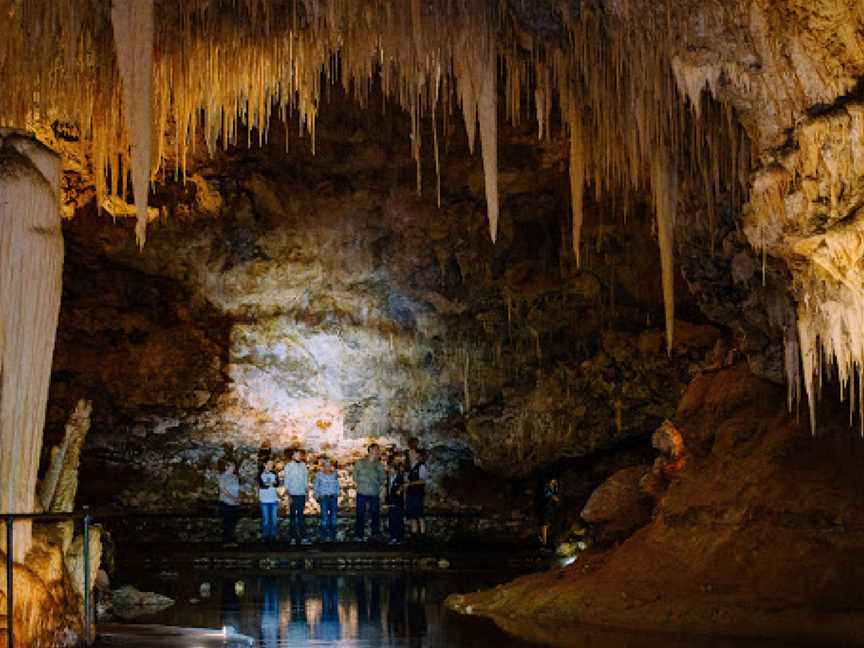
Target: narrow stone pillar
pixel 31 267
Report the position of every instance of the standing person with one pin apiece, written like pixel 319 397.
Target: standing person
pixel 296 481
pixel 229 500
pixel 327 493
pixel 368 479
pixel 549 506
pixel 394 498
pixel 415 492
pixel 268 499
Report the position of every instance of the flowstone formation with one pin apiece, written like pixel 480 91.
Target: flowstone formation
pixel 31 264
pixel 49 580
pixel 716 556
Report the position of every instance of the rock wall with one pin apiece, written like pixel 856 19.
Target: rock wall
pixel 758 536
pixel 316 302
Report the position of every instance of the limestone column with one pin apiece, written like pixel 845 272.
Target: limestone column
pixel 31 265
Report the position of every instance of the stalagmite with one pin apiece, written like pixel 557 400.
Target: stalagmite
pixel 664 189
pixel 60 485
pixel 31 265
pixel 132 21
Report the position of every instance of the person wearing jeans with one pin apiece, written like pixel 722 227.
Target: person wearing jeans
pixel 267 499
pixel 394 498
pixel 368 479
pixel 229 500
pixel 296 481
pixel 327 493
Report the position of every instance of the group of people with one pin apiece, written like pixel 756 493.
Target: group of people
pixel 401 480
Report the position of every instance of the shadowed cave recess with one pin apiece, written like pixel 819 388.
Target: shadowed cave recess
pixel 613 244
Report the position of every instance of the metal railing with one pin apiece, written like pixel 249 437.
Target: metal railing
pixel 9 519
pixel 87 516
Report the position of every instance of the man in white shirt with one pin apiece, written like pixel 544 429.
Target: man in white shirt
pixel 229 500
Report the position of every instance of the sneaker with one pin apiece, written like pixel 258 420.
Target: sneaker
pixel 305 541
pixel 393 541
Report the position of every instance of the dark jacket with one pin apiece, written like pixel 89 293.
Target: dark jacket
pixel 395 495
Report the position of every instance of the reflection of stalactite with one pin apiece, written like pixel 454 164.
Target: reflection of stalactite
pixel 31 265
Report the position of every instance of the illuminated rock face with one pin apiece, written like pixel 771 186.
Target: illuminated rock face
pixel 325 306
pixel 792 70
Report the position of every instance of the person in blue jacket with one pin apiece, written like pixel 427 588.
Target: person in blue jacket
pixel 326 489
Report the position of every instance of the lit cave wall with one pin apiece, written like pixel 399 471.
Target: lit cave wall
pixel 318 302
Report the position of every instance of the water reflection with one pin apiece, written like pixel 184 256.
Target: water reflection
pixel 307 609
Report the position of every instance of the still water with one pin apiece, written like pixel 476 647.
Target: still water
pixel 312 608
pixel 317 608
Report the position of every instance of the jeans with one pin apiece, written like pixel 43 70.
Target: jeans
pixel 268 520
pixel 396 516
pixel 298 519
pixel 329 505
pixel 373 503
pixel 229 521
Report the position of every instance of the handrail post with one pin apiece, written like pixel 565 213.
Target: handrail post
pixel 10 592
pixel 88 636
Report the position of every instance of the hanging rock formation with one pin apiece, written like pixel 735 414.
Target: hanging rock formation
pixel 132 21
pixel 31 265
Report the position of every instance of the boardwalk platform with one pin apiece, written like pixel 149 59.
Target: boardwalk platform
pixel 342 555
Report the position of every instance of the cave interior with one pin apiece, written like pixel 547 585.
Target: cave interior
pixel 599 264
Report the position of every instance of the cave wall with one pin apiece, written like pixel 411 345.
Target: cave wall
pixel 758 536
pixel 315 301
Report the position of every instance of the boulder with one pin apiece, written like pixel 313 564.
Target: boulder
pixel 129 602
pixel 619 506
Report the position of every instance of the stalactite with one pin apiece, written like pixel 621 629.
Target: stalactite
pixel 664 189
pixel 31 264
pixel 221 65
pixel 487 112
pixel 577 177
pixel 133 39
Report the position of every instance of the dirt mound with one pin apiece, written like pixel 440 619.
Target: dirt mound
pixel 761 536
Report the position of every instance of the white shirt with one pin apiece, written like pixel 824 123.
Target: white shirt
pixel 267 493
pixel 229 489
pixel 296 478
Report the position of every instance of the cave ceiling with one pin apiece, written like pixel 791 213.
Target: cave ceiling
pixel 749 110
